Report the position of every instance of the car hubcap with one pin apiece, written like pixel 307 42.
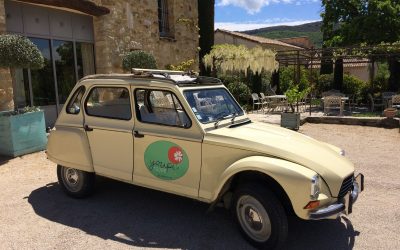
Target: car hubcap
pixel 71 178
pixel 253 218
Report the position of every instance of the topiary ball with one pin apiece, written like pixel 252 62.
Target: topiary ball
pixel 19 52
pixel 138 59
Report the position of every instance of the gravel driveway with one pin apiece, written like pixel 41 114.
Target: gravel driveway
pixel 34 214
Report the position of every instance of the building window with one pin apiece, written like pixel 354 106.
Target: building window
pixel 163 18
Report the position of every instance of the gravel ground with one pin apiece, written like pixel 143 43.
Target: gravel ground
pixel 34 214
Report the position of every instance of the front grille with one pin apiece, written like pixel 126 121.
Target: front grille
pixel 346 186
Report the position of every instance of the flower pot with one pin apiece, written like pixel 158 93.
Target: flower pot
pixel 390 112
pixel 290 120
pixel 22 133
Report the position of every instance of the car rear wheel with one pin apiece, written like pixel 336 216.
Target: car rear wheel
pixel 74 182
pixel 260 216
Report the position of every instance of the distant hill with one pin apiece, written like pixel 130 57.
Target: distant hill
pixel 312 30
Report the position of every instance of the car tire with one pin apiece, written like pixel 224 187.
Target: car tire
pixel 260 216
pixel 75 183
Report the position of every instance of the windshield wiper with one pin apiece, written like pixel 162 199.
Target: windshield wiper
pixel 223 118
pixel 234 115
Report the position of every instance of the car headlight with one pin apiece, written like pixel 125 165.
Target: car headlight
pixel 342 152
pixel 315 187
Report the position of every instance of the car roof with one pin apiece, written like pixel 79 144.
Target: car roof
pixel 178 78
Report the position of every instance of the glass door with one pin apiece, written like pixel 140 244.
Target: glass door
pixel 65 69
pixel 42 82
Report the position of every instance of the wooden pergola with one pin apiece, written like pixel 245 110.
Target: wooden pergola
pixel 315 57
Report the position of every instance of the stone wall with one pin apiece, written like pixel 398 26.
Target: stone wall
pixel 2 17
pixel 134 25
pixel 6 90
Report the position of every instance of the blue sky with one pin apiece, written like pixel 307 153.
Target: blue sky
pixel 238 15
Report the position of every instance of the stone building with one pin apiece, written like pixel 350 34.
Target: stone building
pixel 230 37
pixel 81 37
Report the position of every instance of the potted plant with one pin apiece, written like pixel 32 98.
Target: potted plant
pixel 390 113
pixel 21 131
pixel 291 119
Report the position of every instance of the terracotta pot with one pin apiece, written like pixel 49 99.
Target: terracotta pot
pixel 390 112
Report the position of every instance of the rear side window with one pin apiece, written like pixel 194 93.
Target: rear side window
pixel 160 107
pixel 109 102
pixel 74 105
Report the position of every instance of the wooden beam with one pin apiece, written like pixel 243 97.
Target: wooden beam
pixel 84 6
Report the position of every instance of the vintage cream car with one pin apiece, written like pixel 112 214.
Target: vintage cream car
pixel 188 136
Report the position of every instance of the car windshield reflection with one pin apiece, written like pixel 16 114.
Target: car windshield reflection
pixel 212 105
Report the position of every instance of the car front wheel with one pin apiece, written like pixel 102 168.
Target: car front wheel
pixel 260 216
pixel 74 182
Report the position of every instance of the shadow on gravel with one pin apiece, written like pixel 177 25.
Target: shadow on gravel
pixel 145 218
pixel 4 159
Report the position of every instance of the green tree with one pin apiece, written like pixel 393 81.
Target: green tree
pixel 356 22
pixel 206 25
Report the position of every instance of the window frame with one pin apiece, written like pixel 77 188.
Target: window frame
pixel 137 111
pixel 73 98
pixel 164 26
pixel 108 87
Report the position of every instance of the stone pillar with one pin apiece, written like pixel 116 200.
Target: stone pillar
pixel 6 86
pixel 6 90
pixel 2 17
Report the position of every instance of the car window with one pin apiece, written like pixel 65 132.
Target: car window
pixel 210 105
pixel 109 102
pixel 74 105
pixel 160 107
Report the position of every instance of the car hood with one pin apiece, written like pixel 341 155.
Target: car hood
pixel 274 141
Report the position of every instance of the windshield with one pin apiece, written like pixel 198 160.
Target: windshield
pixel 211 105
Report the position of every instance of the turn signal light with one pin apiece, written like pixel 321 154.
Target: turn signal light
pixel 312 205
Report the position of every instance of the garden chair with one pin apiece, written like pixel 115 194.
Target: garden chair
pixel 264 99
pixel 375 102
pixel 257 102
pixel 333 102
pixel 395 102
pixel 387 97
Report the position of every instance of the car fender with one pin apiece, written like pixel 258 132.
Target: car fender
pixel 293 178
pixel 69 147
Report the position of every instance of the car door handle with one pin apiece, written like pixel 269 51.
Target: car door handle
pixel 137 134
pixel 87 128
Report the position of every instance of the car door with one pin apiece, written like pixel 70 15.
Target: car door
pixel 108 125
pixel 167 145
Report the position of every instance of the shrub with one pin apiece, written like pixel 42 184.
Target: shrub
pixel 381 80
pixel 240 91
pixel 287 78
pixel 138 59
pixel 353 86
pixel 19 52
pixel 324 83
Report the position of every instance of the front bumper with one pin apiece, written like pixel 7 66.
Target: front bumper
pixel 344 205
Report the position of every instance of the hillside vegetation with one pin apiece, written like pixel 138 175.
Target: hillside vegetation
pixel 312 30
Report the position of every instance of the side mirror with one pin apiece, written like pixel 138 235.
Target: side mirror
pixel 74 109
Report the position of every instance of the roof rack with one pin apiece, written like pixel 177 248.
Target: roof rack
pixel 178 77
